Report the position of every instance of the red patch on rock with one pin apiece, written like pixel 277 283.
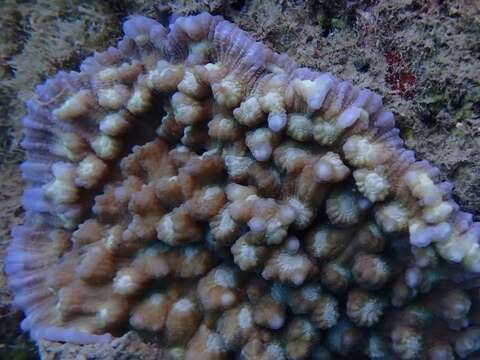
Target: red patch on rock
pixel 399 76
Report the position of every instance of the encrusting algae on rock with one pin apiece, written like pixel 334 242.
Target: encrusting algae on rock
pixel 192 183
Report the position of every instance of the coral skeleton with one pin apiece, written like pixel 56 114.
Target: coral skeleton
pixel 192 184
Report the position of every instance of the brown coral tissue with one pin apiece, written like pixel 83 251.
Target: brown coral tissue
pixel 193 184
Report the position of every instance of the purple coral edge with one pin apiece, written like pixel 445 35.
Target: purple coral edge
pixel 29 255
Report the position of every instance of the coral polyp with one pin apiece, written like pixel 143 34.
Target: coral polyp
pixel 193 184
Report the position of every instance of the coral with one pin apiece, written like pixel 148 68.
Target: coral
pixel 185 165
pixel 56 34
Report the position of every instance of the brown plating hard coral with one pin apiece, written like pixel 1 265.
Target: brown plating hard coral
pixel 193 183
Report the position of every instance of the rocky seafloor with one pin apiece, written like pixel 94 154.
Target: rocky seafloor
pixel 423 58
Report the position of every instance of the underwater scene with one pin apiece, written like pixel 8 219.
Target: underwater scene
pixel 251 180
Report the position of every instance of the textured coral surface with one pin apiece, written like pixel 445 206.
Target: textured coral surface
pixel 247 169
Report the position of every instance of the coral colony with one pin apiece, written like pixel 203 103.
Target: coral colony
pixel 194 185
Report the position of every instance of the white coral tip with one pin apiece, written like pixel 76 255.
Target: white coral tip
pixel 349 117
pixel 277 121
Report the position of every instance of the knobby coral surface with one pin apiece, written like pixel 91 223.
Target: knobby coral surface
pixel 192 183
